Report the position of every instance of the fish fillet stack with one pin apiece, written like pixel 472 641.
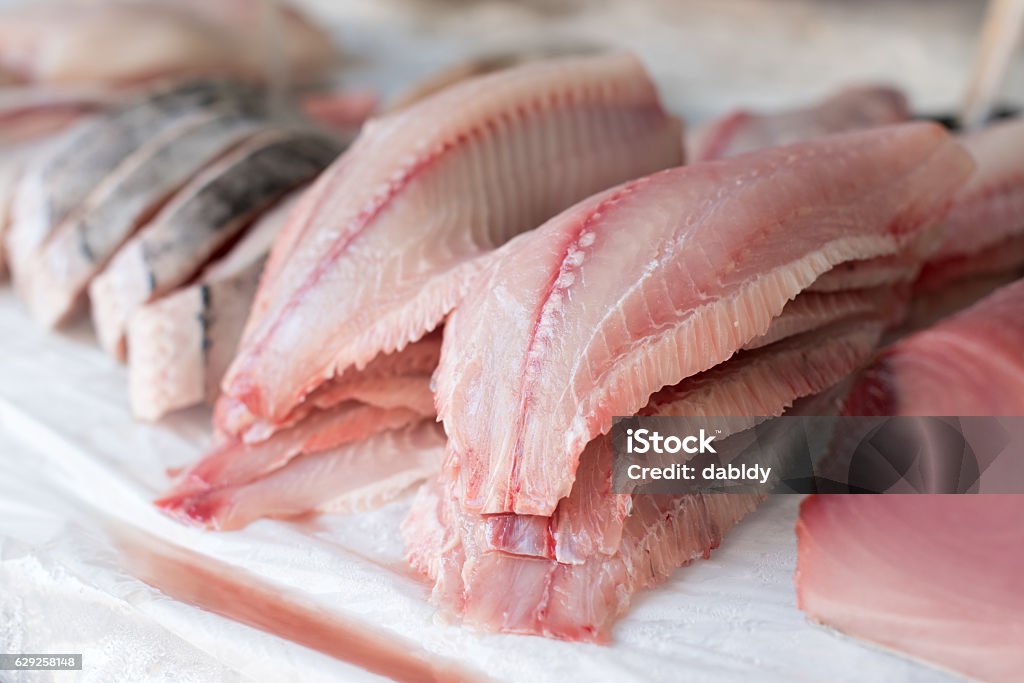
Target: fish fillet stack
pixel 338 351
pixel 751 286
pixel 984 231
pixel 660 282
pixel 165 191
pixel 58 62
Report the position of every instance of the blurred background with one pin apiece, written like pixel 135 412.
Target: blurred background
pixel 708 55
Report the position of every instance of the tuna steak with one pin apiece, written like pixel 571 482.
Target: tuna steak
pixel 969 364
pixel 421 195
pixel 933 576
pixel 649 283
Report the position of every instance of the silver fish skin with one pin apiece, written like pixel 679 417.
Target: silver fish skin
pixel 180 346
pixel 211 211
pixel 58 182
pixel 80 247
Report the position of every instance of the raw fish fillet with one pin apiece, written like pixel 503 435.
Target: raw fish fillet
pixel 58 182
pixel 235 463
pixel 969 364
pixel 203 218
pixel 990 207
pixel 19 144
pixel 421 195
pixel 935 577
pixel 118 43
pixel 984 248
pixel 502 592
pixel 56 278
pixel 883 271
pixel 393 380
pixel 180 346
pixel 848 110
pixel 812 310
pixel 751 386
pixel 352 478
pixel 649 283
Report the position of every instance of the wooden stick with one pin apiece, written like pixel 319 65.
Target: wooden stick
pixel 1004 20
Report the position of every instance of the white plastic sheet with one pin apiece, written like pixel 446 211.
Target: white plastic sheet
pixel 70 456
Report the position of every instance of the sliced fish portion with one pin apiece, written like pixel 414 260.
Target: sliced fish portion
pixel 352 478
pixel 421 195
pixel 812 310
pixel 180 346
pixel 968 364
pixel 654 281
pixel 990 207
pixel 203 218
pixel 932 576
pixel 78 248
pixel 57 183
pixel 850 109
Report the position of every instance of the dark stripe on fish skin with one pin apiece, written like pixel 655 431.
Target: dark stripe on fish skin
pixel 204 321
pixel 97 146
pixel 90 226
pixel 83 244
pixel 248 186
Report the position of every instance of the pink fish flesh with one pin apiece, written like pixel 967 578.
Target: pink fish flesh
pixel 513 147
pixel 350 478
pixel 394 380
pixel 649 283
pixel 70 41
pixel 936 577
pixel 502 592
pixel 750 386
pixel 848 110
pixel 969 364
pixel 234 463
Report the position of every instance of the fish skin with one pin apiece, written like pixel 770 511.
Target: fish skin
pixel 80 247
pixel 56 183
pixel 350 478
pixel 179 346
pixel 17 147
pixel 204 216
pixel 968 364
pixel 850 109
pixel 580 275
pixel 751 386
pixel 930 576
pixel 525 143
